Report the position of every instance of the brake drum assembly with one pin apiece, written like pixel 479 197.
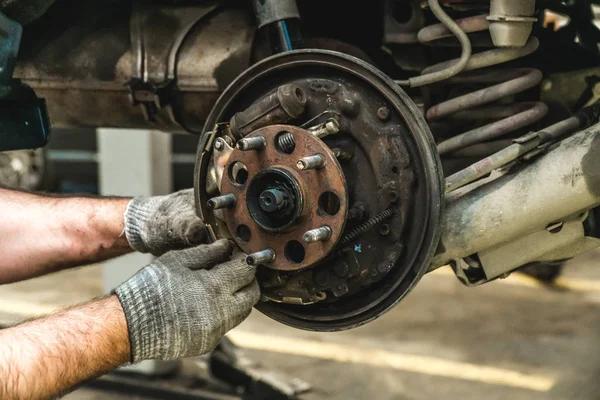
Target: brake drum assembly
pixel 325 174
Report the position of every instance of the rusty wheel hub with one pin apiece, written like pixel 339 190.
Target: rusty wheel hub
pixel 277 203
pixel 325 174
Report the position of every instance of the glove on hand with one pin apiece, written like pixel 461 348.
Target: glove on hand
pixel 160 224
pixel 182 304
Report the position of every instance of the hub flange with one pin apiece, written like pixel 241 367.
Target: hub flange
pixel 277 203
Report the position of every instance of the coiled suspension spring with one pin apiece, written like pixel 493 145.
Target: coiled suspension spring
pixel 501 84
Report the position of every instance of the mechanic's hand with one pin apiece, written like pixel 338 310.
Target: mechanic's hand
pixel 182 304
pixel 160 224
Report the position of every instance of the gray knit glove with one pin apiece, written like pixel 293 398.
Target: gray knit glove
pixel 160 224
pixel 182 304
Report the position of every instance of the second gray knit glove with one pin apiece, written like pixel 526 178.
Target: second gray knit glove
pixel 182 304
pixel 163 223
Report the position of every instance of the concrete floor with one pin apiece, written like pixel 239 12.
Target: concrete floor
pixel 511 339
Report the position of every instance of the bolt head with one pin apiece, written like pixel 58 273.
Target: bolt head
pixel 384 230
pixel 383 113
pixel 219 145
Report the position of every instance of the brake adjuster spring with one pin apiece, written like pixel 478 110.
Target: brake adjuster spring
pixel 286 142
pixel 368 225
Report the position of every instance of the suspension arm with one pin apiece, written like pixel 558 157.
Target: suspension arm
pixel 521 211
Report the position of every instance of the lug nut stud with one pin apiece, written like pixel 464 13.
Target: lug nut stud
pixel 254 143
pixel 261 257
pixel 312 162
pixel 317 235
pixel 217 203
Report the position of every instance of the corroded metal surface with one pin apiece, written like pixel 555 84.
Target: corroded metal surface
pixel 389 162
pixel 312 184
pixel 560 184
pixel 83 69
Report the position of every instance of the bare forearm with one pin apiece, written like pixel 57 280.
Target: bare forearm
pixel 44 358
pixel 40 234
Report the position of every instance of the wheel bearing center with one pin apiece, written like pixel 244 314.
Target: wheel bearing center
pixel 274 199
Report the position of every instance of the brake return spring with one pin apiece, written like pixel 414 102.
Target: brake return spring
pixel 501 84
pixel 368 225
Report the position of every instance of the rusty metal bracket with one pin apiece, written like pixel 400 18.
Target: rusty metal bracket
pixel 157 34
pixel 541 140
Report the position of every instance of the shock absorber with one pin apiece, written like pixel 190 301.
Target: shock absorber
pixel 279 21
pixel 498 85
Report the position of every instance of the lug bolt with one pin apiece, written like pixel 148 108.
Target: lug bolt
pixel 254 143
pixel 217 203
pixel 312 162
pixel 261 257
pixel 317 235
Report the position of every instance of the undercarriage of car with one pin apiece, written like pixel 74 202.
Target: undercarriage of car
pixel 348 149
